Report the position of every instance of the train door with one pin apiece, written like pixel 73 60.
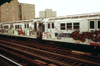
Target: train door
pixel 43 27
pixel 39 31
pixel 26 27
pixel 35 27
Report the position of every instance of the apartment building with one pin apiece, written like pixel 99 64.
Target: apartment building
pixel 47 13
pixel 14 11
pixel 27 11
pixel 42 14
pixel 9 11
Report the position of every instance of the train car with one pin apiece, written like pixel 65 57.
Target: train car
pixel 77 29
pixel 81 29
pixel 23 28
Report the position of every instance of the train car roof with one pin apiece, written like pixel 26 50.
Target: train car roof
pixel 21 21
pixel 86 16
pixel 76 16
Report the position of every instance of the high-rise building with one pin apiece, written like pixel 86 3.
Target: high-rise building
pixel 27 11
pixel 47 13
pixel 9 11
pixel 42 14
pixel 53 13
pixel 14 11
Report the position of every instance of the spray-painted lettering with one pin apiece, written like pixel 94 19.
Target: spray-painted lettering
pixel 94 36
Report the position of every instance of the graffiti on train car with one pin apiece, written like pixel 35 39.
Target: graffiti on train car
pixel 21 32
pixel 46 34
pixel 62 35
pixel 94 36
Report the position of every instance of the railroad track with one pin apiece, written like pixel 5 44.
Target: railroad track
pixel 7 62
pixel 55 49
pixel 46 56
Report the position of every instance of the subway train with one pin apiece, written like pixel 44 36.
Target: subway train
pixel 80 29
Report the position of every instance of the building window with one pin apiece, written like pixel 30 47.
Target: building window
pixel 62 26
pixel 76 26
pixel 92 24
pixel 69 26
pixel 98 24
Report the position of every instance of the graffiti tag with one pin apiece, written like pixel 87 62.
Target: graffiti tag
pixel 94 36
pixel 21 32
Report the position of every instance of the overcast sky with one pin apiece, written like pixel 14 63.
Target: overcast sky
pixel 65 7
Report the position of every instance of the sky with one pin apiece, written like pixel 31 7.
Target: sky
pixel 65 7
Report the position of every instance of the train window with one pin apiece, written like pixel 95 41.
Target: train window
pixel 76 26
pixel 69 26
pixel 43 27
pixel 26 25
pixel 40 24
pixel 35 26
pixel 91 24
pixel 52 25
pixel 62 26
pixel 48 25
pixel 17 26
pixel 1 26
pixel 99 24
pixel 5 27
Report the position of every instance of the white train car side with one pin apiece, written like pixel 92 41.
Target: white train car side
pixel 23 28
pixel 76 29
pixel 84 31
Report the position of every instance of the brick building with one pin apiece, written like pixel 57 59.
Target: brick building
pixel 27 11
pixel 10 11
pixel 14 11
